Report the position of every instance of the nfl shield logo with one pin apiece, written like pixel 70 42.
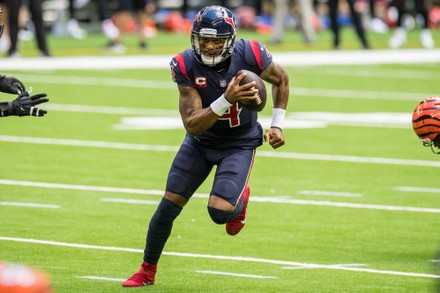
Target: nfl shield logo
pixel 223 83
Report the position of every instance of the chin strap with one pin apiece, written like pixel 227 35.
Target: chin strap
pixel 430 143
pixel 434 151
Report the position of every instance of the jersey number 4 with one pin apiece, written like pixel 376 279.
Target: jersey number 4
pixel 233 115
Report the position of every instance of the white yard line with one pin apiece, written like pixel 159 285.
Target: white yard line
pixel 263 199
pixel 169 85
pixel 101 278
pixel 130 201
pixel 417 189
pixel 221 257
pixel 270 154
pixel 312 267
pixel 329 193
pixel 344 205
pixel 29 205
pixel 237 275
pixel 297 58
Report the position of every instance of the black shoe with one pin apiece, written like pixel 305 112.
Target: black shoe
pixel 143 45
pixel 12 54
pixel 45 54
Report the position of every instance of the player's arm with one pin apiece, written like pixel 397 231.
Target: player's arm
pixel 197 119
pixel 279 79
pixel 11 85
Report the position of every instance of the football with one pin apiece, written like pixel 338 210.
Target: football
pixel 258 104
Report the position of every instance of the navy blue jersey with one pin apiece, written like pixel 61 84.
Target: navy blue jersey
pixel 238 127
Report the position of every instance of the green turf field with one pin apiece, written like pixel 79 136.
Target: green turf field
pixel 350 204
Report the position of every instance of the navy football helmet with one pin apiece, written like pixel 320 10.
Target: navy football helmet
pixel 213 22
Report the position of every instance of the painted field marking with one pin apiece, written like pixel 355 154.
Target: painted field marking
pixel 264 199
pixel 313 267
pixel 220 257
pixel 112 110
pixel 417 189
pixel 314 58
pixel 380 73
pixel 344 205
pixel 130 201
pixel 299 91
pixel 81 187
pixel 101 278
pixel 237 275
pixel 29 205
pixel 329 193
pixel 270 154
pixel 296 120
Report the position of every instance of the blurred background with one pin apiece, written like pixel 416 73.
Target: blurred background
pixel 290 25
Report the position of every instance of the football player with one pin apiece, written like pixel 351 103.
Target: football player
pixel 220 134
pixel 24 104
pixel 426 122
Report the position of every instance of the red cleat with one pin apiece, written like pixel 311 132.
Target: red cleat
pixel 144 277
pixel 235 226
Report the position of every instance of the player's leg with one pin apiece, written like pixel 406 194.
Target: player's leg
pixel 399 37
pixel 35 6
pixel 333 12
pixel 140 9
pixel 422 8
pixel 188 170
pixel 13 9
pixel 358 24
pixel 230 192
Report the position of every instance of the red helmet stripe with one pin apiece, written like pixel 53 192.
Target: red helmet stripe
pixel 230 20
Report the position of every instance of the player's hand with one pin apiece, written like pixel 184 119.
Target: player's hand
pixel 275 137
pixel 11 85
pixel 236 92
pixel 24 105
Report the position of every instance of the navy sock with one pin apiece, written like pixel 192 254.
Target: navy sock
pixel 160 229
pixel 222 217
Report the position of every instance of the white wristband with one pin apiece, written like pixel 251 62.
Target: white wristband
pixel 220 106
pixel 278 116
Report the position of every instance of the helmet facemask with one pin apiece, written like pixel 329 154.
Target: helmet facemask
pixel 214 56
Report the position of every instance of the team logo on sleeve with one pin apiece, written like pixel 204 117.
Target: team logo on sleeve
pixel 173 74
pixel 264 49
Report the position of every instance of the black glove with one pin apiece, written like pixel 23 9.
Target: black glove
pixel 11 85
pixel 23 105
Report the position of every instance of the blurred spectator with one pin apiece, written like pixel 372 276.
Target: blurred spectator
pixel 108 27
pixel 377 25
pixel 356 20
pixel 5 42
pixel 23 279
pixel 141 10
pixel 37 19
pixel 73 26
pixel 399 36
pixel 281 11
pixel 307 15
pixel 25 27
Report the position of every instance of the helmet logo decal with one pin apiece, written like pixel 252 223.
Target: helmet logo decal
pixel 230 20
